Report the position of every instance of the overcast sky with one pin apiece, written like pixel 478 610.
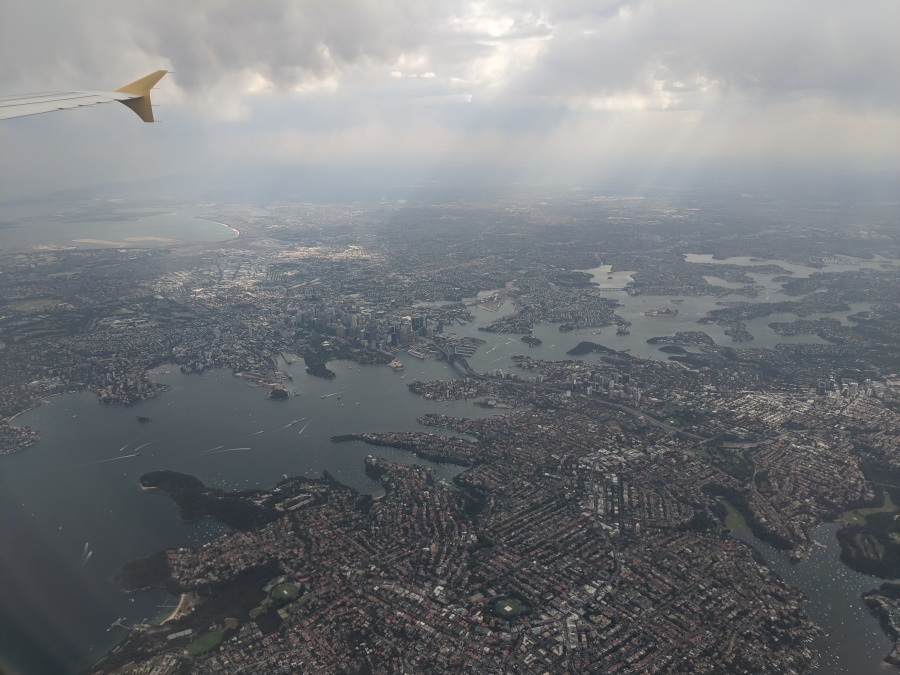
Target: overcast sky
pixel 568 88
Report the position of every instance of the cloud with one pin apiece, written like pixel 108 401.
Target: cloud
pixel 536 80
pixel 566 50
pixel 701 52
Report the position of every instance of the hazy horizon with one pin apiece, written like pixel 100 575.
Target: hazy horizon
pixel 570 94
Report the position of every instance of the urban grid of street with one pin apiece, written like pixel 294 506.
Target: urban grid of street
pixel 586 531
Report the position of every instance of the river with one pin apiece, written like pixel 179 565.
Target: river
pixel 500 346
pixel 852 641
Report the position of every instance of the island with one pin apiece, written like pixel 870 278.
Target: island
pixel 585 347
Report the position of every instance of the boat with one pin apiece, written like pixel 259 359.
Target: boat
pixel 396 365
pixel 418 353
pixel 660 311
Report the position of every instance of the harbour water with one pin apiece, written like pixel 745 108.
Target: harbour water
pixel 851 640
pixel 79 485
pixel 841 264
pixel 500 346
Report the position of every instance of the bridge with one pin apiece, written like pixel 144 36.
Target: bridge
pixel 458 360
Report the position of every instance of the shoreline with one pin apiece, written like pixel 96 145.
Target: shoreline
pixel 161 389
pixel 22 412
pixel 237 232
pixel 174 615
pixel 41 400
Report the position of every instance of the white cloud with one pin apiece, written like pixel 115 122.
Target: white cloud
pixel 550 82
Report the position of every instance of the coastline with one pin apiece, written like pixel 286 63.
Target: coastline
pixel 182 600
pixel 237 232
pixel 22 412
pixel 36 436
pixel 18 437
pixel 42 399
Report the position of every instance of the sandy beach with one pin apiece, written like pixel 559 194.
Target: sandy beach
pixel 237 232
pixel 182 602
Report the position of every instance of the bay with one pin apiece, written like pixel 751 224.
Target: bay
pixel 851 641
pixel 118 231
pixel 78 486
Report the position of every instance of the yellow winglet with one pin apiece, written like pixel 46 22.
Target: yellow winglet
pixel 141 88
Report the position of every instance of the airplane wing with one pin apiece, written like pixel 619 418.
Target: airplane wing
pixel 135 95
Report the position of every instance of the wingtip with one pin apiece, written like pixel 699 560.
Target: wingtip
pixel 141 88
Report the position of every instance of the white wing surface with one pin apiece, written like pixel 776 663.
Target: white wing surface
pixel 136 95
